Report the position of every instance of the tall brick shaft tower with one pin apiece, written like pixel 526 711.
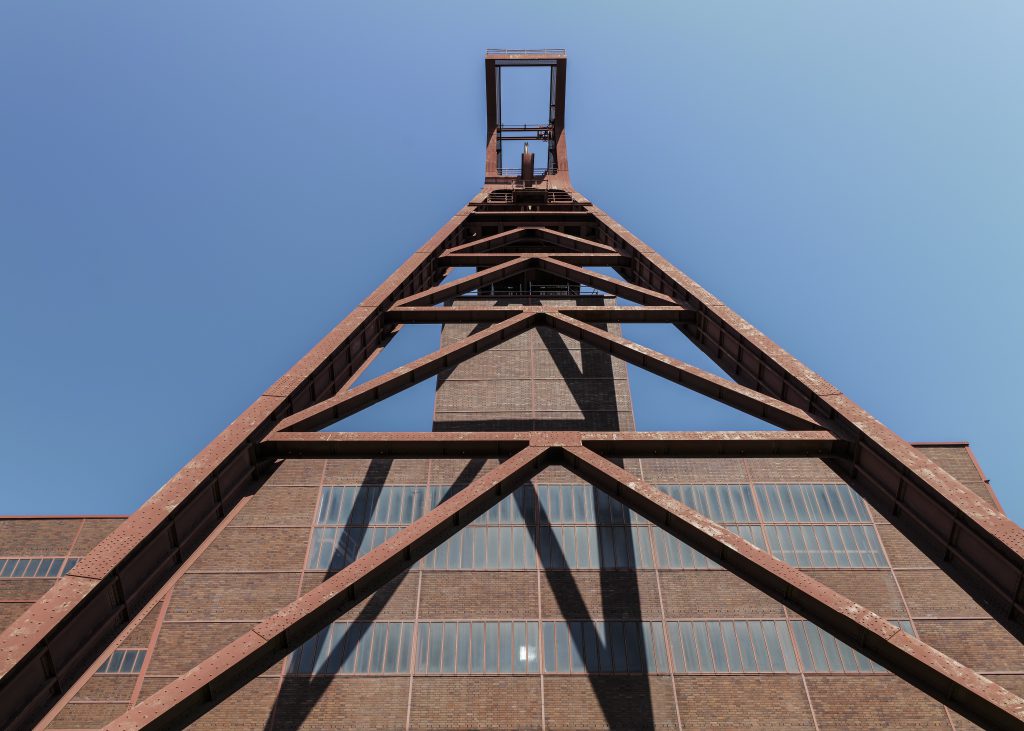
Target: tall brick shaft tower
pixel 532 562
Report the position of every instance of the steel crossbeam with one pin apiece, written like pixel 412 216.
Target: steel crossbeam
pixel 439 445
pixel 444 315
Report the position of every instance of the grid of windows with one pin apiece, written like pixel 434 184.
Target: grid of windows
pixel 595 547
pixel 721 503
pixel 485 547
pixel 604 647
pixel 826 546
pixel 336 548
pixel 355 648
pixel 123 662
pixel 731 647
pixel 820 652
pixel 35 567
pixel 674 554
pixel 477 647
pixel 371 505
pixel 567 647
pixel 811 503
pixel 807 525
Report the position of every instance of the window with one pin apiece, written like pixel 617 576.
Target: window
pixel 371 505
pixel 583 504
pixel 731 647
pixel 35 567
pixel 811 503
pixel 477 647
pixel 123 662
pixel 721 503
pixel 826 546
pixel 820 652
pixel 336 548
pixel 674 554
pixel 604 647
pixel 595 547
pixel 347 648
pixel 479 547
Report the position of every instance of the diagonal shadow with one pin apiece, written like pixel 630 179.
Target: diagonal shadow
pixel 298 696
pixel 620 590
pixel 572 607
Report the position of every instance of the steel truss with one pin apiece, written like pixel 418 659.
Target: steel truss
pixel 46 650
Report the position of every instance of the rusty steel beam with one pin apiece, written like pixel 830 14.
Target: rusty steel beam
pixel 749 401
pixel 176 704
pixel 502 311
pixel 43 651
pixel 965 691
pixel 489 259
pixel 525 234
pixel 438 445
pixel 979 547
pixel 349 402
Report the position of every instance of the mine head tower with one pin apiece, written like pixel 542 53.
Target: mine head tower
pixel 533 561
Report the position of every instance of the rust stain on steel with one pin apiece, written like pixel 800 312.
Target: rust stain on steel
pixel 317 445
pixel 264 643
pixel 976 697
pixel 607 313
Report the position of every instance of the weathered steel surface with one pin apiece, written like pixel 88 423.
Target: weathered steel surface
pixel 266 643
pixel 946 680
pixel 672 314
pixel 438 445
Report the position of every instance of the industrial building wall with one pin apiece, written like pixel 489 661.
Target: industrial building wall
pixel 556 609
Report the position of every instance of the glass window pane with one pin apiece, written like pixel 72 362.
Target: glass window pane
pixel 616 640
pixel 463 662
pixel 700 639
pixel 505 629
pixel 394 639
pixel 576 647
pixel 493 647
pixel 636 657
pixel 774 640
pixel 564 650
pixel 380 638
pixel 436 643
pixel 533 647
pixel 479 642
pixel 550 648
pixel 448 647
pixel 519 648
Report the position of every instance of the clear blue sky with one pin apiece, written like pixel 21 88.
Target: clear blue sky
pixel 191 194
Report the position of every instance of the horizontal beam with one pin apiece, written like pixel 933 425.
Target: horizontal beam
pixel 522 234
pixel 596 259
pixel 497 313
pixel 946 680
pixel 185 698
pixel 399 445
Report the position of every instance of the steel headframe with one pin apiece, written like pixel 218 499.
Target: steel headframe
pixel 506 233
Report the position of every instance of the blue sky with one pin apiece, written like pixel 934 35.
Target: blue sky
pixel 191 194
